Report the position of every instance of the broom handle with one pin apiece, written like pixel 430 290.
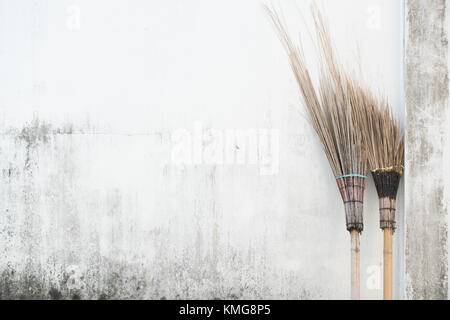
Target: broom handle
pixel 355 290
pixel 387 262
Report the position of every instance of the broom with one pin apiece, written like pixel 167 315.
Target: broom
pixel 333 109
pixel 385 145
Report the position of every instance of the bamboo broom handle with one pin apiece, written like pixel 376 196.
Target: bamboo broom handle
pixel 355 277
pixel 387 262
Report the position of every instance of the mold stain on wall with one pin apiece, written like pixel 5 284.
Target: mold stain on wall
pixel 69 231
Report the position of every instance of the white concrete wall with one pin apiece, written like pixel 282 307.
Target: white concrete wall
pixel 98 100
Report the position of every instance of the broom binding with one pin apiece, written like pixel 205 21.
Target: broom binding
pixel 352 189
pixel 387 213
pixel 387 181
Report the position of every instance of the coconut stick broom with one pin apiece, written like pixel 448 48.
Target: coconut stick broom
pixel 333 107
pixel 385 145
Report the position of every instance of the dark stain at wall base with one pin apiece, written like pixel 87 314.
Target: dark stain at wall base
pixel 55 294
pixel 108 280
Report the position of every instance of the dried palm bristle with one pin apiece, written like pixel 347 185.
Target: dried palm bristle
pixel 384 140
pixel 334 108
pixel 383 136
pixel 333 104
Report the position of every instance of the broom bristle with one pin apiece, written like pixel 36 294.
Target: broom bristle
pixel 383 136
pixel 333 106
pixel 385 144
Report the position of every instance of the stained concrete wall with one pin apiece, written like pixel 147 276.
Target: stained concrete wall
pixel 427 176
pixel 156 150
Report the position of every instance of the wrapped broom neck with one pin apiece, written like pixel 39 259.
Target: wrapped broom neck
pixel 352 189
pixel 387 181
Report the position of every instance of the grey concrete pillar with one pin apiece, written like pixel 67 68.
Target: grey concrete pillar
pixel 427 98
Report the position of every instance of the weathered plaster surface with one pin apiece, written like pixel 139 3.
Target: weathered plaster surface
pixel 107 216
pixel 92 205
pixel 427 99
